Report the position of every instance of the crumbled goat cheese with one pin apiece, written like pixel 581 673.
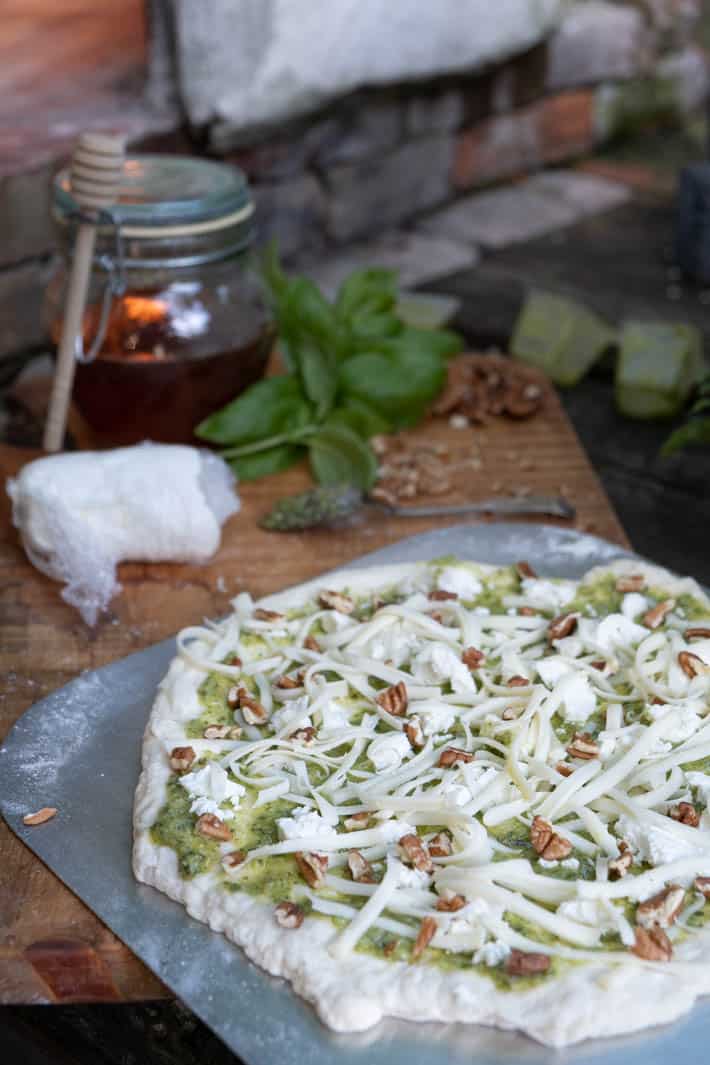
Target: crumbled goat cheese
pixel 210 787
pixel 633 604
pixel 334 621
pixel 491 954
pixel 654 844
pixel 413 878
pixel 436 719
pixel 460 581
pixel 701 783
pixel 388 751
pixel 616 630
pixel 546 595
pixel 678 729
pixel 578 699
pixel 437 664
pixel 306 823
pixel 334 717
pixel 551 669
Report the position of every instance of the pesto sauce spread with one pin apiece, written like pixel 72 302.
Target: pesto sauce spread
pixel 275 877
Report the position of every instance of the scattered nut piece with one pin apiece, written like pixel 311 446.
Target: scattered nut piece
pixel 686 813
pixel 222 732
pixel 583 746
pixel 233 660
pixel 657 614
pixel 562 626
pixel 233 697
pixel 511 713
pixel 452 755
pixel 252 710
pixel 662 909
pixel 288 915
pixel 440 846
pixel 287 683
pixel 618 867
pixel 312 867
pixel 702 884
pixel 473 658
pixel 311 644
pixel 427 931
pixel 440 596
pixel 181 758
pixel 599 664
pixel 213 827
pixel 527 612
pixel 360 868
pixel 336 601
pixel 518 682
pixel 652 944
pixel 697 632
pixel 564 769
pixel 450 902
pixel 415 853
pixel 233 859
pixel 524 569
pixel 634 582
pixel 557 848
pixel 40 816
pixel 415 733
pixel 357 821
pixel 394 700
pixel 522 963
pixel 267 615
pixel 546 842
pixel 390 947
pixel 306 735
pixel 692 665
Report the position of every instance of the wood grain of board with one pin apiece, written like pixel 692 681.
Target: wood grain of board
pixel 52 948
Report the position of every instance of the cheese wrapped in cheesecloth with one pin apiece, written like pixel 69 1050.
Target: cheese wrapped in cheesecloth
pixel 79 515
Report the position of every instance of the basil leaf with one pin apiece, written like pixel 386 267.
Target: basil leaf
pixel 359 417
pixel 443 343
pixel 399 386
pixel 319 376
pixel 267 408
pixel 261 463
pixel 367 325
pixel 338 456
pixel 374 289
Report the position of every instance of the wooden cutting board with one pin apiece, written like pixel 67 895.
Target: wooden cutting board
pixel 52 948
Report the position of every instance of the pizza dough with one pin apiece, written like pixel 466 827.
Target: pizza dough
pixel 447 792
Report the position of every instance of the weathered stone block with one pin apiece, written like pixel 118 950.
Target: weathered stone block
pixel 417 257
pixel 436 111
pixel 366 127
pixel 598 41
pixel 688 71
pixel 497 148
pixel 367 197
pixel 292 213
pixel 565 125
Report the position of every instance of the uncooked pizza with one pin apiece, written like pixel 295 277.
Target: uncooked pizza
pixel 447 792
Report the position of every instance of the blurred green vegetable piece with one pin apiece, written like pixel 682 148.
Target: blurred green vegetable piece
pixel 560 337
pixel 318 506
pixel 658 366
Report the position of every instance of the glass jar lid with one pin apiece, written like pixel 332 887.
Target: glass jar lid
pixel 169 196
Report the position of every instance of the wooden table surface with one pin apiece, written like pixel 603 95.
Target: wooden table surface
pixel 52 948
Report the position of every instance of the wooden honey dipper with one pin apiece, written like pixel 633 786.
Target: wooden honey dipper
pixel 95 180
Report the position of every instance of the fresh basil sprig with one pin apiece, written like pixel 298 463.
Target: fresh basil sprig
pixel 354 370
pixel 696 430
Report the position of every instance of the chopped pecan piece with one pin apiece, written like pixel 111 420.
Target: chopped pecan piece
pixel 360 868
pixel 233 697
pixel 692 665
pixel 546 842
pixel 222 732
pixel 311 644
pixel 440 596
pixel 702 884
pixel 527 611
pixel 312 867
pixel 233 660
pixel 697 632
pixel 357 821
pixel 394 700
pixel 562 626
pixel 427 931
pixel 414 852
pixel 564 769
pixel 40 816
pixel 652 944
pixel 599 664
pixel 661 910
pixel 260 614
pixel 686 813
pixel 511 712
pixel 450 902
pixel 633 582
pixel 583 746
pixel 390 947
pixel 336 601
pixel 473 658
pixel 440 846
pixel 306 735
pixel 233 859
pixel 415 732
pixel 287 683
pixel 522 963
pixel 452 755
pixel 288 915
pixel 213 827
pixel 254 713
pixel 524 569
pixel 436 616
pixel 619 866
pixel 657 614
pixel 181 758
pixel 518 682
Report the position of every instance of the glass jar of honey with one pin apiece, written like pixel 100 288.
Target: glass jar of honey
pixel 175 325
